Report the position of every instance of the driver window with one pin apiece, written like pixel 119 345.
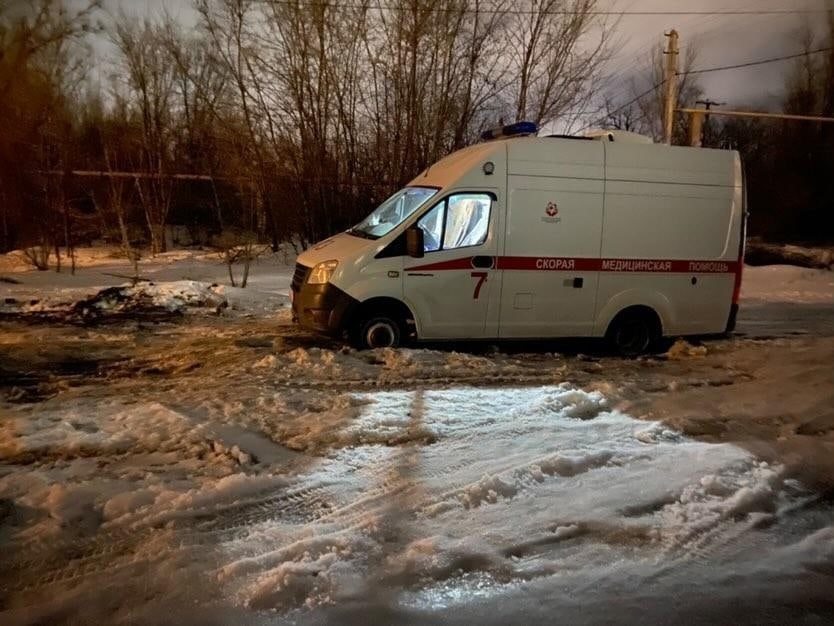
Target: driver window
pixel 432 225
pixel 461 220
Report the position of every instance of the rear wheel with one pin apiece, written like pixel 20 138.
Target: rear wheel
pixel 378 331
pixel 633 332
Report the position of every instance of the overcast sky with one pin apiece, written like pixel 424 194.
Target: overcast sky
pixel 722 40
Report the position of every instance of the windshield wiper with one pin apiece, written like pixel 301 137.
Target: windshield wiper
pixel 361 233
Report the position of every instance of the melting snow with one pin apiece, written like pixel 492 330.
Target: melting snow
pixel 511 476
pixel 432 497
pixel 292 497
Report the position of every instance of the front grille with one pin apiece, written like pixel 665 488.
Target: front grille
pixel 299 276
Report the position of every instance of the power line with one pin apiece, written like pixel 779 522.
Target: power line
pixel 714 69
pixel 383 7
pixel 752 63
pixel 693 24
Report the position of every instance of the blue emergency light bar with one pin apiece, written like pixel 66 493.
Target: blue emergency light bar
pixel 511 130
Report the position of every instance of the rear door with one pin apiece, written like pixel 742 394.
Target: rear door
pixel 454 289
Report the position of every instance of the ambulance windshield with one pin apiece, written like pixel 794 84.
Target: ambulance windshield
pixel 393 212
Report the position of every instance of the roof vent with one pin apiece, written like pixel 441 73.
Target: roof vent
pixel 619 136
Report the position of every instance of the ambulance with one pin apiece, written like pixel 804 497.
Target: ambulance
pixel 524 237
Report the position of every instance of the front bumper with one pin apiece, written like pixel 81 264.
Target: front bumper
pixel 322 308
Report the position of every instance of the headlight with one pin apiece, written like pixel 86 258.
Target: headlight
pixel 322 272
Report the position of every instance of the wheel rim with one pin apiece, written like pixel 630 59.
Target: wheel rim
pixel 380 335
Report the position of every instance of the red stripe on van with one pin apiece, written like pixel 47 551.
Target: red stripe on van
pixel 576 264
pixel 548 264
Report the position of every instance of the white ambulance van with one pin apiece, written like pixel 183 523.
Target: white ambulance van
pixel 526 237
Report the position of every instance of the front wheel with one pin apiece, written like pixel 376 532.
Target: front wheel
pixel 632 333
pixel 378 331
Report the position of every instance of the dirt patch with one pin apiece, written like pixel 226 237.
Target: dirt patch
pixel 35 382
pixel 73 317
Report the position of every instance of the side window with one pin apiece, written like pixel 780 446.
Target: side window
pixel 459 221
pixel 467 220
pixel 432 225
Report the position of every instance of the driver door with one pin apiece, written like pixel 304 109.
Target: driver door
pixel 453 290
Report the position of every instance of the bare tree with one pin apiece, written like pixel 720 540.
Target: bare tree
pixel 303 114
pixel 62 67
pixel 621 118
pixel 556 50
pixel 150 74
pixel 235 246
pixel 201 85
pixel 229 26
pixel 116 137
pixel 482 46
pixel 37 63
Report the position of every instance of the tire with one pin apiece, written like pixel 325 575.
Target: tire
pixel 378 331
pixel 633 333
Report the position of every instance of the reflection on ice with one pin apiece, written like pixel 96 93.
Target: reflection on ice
pixel 517 485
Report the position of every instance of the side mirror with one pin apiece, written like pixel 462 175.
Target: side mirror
pixel 414 244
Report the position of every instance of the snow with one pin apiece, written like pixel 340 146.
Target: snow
pixel 816 551
pixel 787 283
pixel 546 445
pixel 232 468
pixel 403 486
pixel 176 279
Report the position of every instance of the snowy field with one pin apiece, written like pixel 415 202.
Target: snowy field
pixel 215 464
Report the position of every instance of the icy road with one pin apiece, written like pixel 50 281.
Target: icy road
pixel 232 469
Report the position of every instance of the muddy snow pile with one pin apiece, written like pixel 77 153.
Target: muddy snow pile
pixel 759 252
pixel 173 297
pixel 142 299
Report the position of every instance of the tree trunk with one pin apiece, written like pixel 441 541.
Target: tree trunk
pixel 246 263
pixel 231 272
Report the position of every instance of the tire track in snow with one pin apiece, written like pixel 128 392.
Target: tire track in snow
pixel 353 516
pixel 727 532
pixel 317 509
pixel 84 558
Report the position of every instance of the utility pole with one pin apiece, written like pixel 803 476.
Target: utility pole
pixel 704 131
pixel 697 121
pixel 708 104
pixel 671 80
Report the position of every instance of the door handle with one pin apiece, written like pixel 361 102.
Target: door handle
pixel 483 262
pixel 577 283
